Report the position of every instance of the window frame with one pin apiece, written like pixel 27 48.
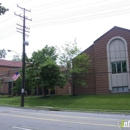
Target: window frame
pixel 114 67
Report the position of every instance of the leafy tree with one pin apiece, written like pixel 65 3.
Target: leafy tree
pixel 32 80
pixel 3 53
pixel 3 9
pixel 16 58
pixel 41 55
pixel 50 75
pixel 69 51
pixel 0 85
pixel 44 70
pixel 17 87
pixel 29 83
pixel 39 58
pixel 74 65
pixel 80 68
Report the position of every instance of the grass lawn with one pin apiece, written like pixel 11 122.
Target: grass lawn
pixel 112 102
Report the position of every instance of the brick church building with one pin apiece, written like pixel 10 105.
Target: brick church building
pixel 110 55
pixel 109 71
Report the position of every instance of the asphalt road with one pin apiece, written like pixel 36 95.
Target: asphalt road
pixel 27 119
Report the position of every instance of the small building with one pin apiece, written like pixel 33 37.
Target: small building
pixel 7 70
pixel 110 63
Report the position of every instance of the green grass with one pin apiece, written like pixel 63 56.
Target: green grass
pixel 112 102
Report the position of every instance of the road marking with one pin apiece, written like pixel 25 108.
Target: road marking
pixel 21 128
pixel 96 118
pixel 55 120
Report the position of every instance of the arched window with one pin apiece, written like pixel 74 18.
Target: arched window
pixel 118 66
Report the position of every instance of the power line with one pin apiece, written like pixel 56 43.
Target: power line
pixel 59 3
pixel 55 3
pixel 82 11
pixel 79 19
pixel 8 35
pixel 109 5
pixel 77 12
pixel 12 12
pixel 59 20
pixel 84 5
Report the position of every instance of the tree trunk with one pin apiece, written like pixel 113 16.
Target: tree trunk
pixel 73 87
pixel 26 93
pixel 49 91
pixel 37 90
pixel 45 92
pixel 42 91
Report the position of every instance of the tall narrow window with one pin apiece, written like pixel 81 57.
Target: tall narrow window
pixel 124 69
pixel 118 64
pixel 113 68
pixel 119 67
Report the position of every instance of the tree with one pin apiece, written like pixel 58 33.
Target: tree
pixel 80 68
pixel 32 79
pixel 51 75
pixel 74 65
pixel 44 70
pixel 3 9
pixel 0 85
pixel 16 58
pixel 30 83
pixel 3 53
pixel 17 87
pixel 69 51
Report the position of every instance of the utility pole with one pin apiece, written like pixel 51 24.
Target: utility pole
pixel 24 30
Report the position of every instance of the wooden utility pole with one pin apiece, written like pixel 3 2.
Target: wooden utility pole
pixel 23 31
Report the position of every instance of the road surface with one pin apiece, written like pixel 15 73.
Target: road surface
pixel 28 119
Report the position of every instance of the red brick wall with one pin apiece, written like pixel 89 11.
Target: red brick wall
pixel 90 77
pixel 7 73
pixel 100 54
pixel 66 90
pixel 97 78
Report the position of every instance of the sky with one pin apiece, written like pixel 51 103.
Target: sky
pixel 55 22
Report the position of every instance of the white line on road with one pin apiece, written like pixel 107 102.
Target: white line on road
pixel 57 120
pixel 21 128
pixel 66 116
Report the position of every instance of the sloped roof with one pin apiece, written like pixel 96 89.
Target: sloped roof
pixel 8 63
pixel 87 49
pixel 111 30
pixel 104 35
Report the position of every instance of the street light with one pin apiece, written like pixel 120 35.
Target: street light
pixel 16 57
pixel 12 51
